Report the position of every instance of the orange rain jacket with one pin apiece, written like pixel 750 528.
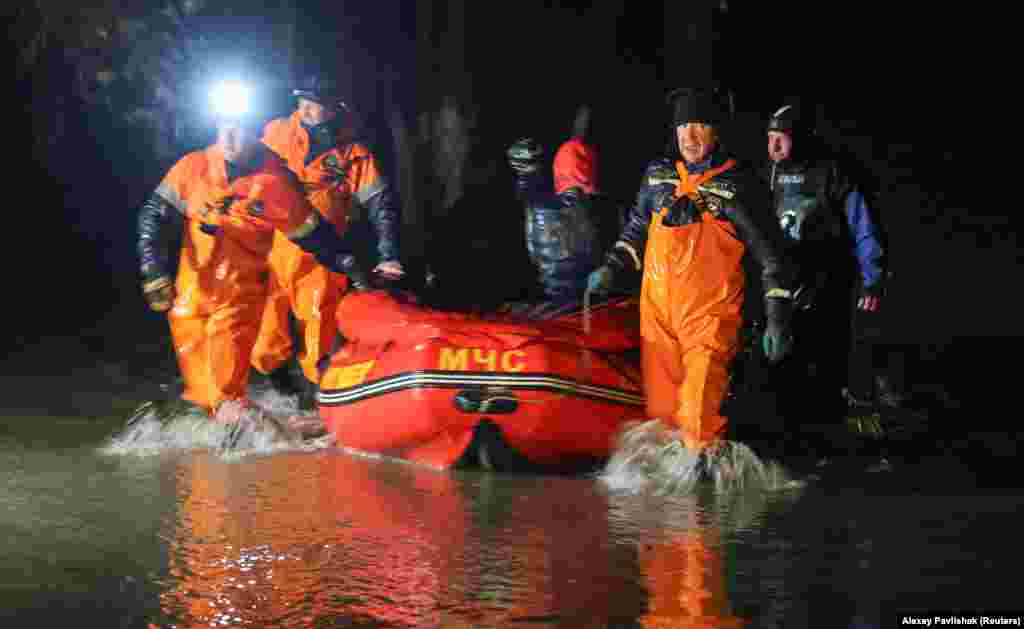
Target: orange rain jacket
pixel 230 215
pixel 340 179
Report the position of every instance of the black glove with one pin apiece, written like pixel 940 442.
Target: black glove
pixel 358 278
pixel 804 297
pixel 625 274
pixel 159 293
pixel 525 156
pixel 778 337
pixel 334 252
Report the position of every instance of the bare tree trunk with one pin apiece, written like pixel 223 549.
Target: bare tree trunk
pixel 452 127
pixel 452 133
pixel 412 216
pixel 443 140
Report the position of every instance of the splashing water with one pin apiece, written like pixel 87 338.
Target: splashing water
pixel 651 457
pixel 271 423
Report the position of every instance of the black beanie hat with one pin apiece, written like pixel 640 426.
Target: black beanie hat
pixel 790 119
pixel 320 88
pixel 697 104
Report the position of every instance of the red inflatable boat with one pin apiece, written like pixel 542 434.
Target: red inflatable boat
pixel 526 387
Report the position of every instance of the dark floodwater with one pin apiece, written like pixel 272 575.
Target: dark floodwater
pixel 327 539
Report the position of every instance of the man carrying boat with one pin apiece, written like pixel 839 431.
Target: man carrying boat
pixel 696 216
pixel 228 201
pixel 344 183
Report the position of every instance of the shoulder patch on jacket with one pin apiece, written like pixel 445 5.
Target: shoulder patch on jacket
pixel 725 189
pixel 657 181
pixel 660 172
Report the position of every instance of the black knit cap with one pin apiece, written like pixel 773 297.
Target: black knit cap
pixel 319 87
pixel 791 119
pixel 698 104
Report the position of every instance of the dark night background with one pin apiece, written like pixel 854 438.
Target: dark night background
pixel 875 76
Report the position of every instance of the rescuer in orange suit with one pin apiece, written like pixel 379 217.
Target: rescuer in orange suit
pixel 229 199
pixel 343 181
pixel 694 220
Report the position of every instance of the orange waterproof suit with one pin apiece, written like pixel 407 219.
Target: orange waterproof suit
pixel 336 175
pixel 221 288
pixel 698 229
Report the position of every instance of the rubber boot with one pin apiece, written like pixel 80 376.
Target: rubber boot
pixel 283 382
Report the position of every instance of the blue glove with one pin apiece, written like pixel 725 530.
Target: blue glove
pixel 778 336
pixel 601 280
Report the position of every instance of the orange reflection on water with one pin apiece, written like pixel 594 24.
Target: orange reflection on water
pixel 327 540
pixel 309 541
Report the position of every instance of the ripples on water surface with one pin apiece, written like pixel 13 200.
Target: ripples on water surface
pixel 102 533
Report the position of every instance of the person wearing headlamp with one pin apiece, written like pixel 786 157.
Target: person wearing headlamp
pixel 343 181
pixel 228 200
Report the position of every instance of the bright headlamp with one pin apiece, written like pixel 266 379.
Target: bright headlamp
pixel 230 100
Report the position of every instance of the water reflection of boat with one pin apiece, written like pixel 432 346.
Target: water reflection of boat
pixel 524 387
pixel 332 541
pixel 329 540
pixel 338 541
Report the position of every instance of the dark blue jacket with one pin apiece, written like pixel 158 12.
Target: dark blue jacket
pixel 738 196
pixel 823 212
pixel 565 234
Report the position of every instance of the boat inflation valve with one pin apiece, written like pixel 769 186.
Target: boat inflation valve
pixel 486 401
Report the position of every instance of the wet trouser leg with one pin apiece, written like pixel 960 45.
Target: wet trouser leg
pixel 690 316
pixel 274 342
pixel 310 292
pixel 869 357
pixel 705 384
pixel 214 352
pixel 861 366
pixel 662 373
pixel 830 354
pixel 687 386
pixel 810 381
pixel 315 300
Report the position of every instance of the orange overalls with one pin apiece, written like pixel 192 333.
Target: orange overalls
pixel 344 175
pixel 690 316
pixel 222 276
